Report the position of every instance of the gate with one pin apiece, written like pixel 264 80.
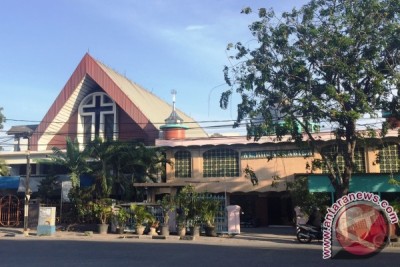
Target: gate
pixel 221 223
pixel 9 210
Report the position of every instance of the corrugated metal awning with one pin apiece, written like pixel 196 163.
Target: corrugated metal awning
pixel 9 182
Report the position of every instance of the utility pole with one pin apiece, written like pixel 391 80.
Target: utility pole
pixel 27 187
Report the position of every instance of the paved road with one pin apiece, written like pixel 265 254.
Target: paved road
pixel 248 249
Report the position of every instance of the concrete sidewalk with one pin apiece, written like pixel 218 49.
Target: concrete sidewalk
pixel 260 234
pixel 277 235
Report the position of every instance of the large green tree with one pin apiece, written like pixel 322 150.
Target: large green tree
pixel 329 62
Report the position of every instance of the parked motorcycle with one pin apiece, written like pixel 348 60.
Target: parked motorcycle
pixel 306 233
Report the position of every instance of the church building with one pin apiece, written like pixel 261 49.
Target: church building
pixel 96 101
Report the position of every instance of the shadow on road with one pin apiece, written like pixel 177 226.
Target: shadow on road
pixel 270 234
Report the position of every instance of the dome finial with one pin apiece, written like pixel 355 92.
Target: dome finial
pixel 173 92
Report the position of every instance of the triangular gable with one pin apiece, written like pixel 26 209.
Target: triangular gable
pixel 137 102
pixel 151 106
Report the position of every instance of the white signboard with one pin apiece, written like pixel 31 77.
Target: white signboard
pixel 47 216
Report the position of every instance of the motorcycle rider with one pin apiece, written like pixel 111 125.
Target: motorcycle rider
pixel 312 230
pixel 315 218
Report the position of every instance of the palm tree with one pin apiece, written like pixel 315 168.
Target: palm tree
pixel 122 185
pixel 101 154
pixel 155 160
pixel 115 165
pixel 137 163
pixel 73 159
pixel 146 164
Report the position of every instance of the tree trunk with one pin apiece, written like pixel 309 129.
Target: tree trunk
pixel 342 189
pixel 341 181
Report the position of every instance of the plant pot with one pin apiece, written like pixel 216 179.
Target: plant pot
pixel 102 228
pixel 153 231
pixel 120 230
pixel 210 231
pixel 165 230
pixel 140 229
pixel 181 231
pixel 195 230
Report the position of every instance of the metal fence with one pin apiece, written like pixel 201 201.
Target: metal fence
pixel 157 212
pixel 65 214
pixel 10 214
pixel 221 223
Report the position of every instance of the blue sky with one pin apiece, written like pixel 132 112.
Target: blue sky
pixel 159 44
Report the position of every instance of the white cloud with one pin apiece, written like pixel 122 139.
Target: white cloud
pixel 195 27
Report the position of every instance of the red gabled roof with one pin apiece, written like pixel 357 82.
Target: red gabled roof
pixel 140 105
pixel 87 66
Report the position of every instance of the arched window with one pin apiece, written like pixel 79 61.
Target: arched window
pixel 183 164
pixel 97 118
pixel 359 158
pixel 389 158
pixel 220 163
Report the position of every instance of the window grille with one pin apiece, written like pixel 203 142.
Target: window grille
pixel 220 163
pixel 98 118
pixel 183 164
pixel 389 158
pixel 359 159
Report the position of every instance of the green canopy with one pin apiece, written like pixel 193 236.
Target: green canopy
pixel 375 182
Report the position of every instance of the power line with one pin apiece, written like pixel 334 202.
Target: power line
pixel 139 123
pixel 190 122
pixel 323 124
pixel 205 127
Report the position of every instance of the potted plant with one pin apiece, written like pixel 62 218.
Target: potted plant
pixel 209 210
pixel 194 216
pixel 181 221
pixel 183 203
pixel 141 216
pixel 121 216
pixel 153 225
pixel 191 202
pixel 167 204
pixel 102 209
